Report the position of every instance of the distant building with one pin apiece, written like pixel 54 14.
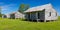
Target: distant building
pixel 6 16
pixel 17 15
pixel 14 15
pixel 44 13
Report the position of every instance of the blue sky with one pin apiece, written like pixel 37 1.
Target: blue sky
pixel 9 6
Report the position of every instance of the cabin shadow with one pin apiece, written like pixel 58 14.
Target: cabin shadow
pixel 33 20
pixel 37 21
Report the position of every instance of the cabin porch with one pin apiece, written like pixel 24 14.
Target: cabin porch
pixel 36 16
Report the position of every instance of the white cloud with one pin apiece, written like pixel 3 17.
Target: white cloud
pixel 8 6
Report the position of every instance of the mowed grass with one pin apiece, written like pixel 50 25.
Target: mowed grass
pixel 18 24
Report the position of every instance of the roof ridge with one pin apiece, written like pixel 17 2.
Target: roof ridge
pixel 42 5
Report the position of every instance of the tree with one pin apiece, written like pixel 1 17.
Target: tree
pixel 0 12
pixel 23 7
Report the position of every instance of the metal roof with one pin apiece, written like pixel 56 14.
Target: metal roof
pixel 38 8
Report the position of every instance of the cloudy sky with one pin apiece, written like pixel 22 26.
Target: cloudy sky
pixel 9 6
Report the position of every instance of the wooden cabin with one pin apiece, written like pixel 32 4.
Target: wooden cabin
pixel 6 16
pixel 17 15
pixel 44 12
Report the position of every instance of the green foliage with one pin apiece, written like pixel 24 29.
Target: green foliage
pixel 0 12
pixel 0 15
pixel 23 7
pixel 18 24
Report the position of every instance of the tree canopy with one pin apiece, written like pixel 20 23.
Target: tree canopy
pixel 23 7
pixel 0 12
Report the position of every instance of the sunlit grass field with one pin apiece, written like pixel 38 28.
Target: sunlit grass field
pixel 18 24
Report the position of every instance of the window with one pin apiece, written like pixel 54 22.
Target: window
pixel 29 16
pixel 12 16
pixel 50 14
pixel 56 14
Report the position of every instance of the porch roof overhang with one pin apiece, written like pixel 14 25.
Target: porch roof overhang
pixel 34 10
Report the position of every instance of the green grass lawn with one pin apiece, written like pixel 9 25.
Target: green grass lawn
pixel 18 24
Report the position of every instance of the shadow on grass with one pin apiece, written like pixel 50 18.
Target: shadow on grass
pixel 33 20
pixel 38 21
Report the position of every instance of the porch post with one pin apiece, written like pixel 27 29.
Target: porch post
pixel 44 20
pixel 30 15
pixel 37 16
pixel 15 16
